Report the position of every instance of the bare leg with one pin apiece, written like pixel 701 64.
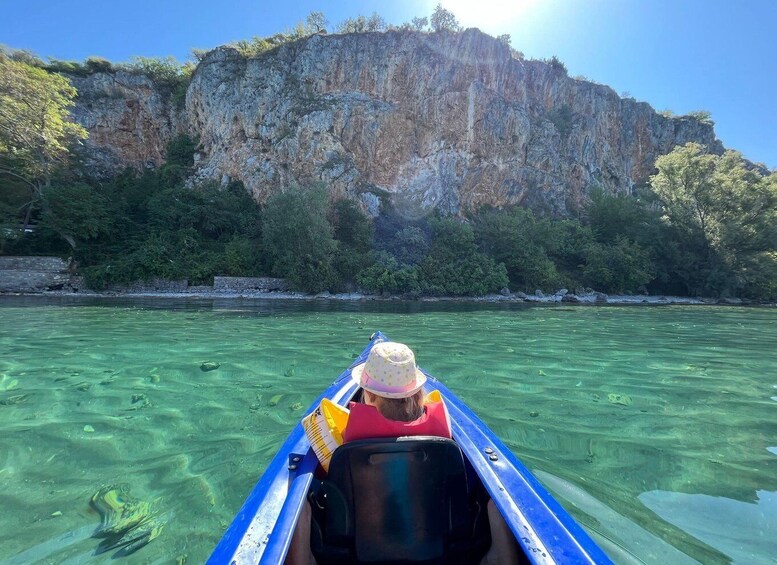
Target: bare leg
pixel 504 549
pixel 299 550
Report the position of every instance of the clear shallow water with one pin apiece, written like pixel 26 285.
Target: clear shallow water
pixel 656 427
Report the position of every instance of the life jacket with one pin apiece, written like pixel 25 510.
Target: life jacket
pixel 365 421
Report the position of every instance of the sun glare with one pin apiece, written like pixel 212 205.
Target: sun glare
pixel 493 16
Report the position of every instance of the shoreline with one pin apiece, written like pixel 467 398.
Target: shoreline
pixel 561 297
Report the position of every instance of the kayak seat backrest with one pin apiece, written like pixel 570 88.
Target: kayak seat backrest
pixel 399 500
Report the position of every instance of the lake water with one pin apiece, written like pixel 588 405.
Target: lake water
pixel 655 426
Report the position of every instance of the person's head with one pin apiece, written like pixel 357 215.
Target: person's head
pixel 392 382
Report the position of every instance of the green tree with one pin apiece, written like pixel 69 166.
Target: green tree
pixel 299 239
pixel 352 228
pixel 419 24
pixel 21 56
pixel 162 228
pixel 317 22
pixel 724 213
pixel 36 131
pixel 354 234
pixel 76 212
pixel 443 20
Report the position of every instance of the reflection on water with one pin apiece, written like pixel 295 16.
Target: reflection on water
pixel 624 540
pixel 743 531
pixel 616 409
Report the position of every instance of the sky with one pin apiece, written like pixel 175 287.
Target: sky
pixel 678 55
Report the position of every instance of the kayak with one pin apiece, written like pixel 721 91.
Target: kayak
pixel 262 530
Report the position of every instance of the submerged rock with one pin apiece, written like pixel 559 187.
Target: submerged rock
pixel 126 523
pixel 275 399
pixel 622 399
pixel 15 399
pixel 209 366
pixel 7 383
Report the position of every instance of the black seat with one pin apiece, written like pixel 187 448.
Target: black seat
pixel 402 500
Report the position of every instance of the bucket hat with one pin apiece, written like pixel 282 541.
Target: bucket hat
pixel 390 371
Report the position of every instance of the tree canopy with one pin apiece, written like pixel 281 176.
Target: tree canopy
pixel 36 129
pixel 299 238
pixel 723 212
pixel 443 20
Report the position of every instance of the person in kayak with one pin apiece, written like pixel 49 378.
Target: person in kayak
pixel 394 405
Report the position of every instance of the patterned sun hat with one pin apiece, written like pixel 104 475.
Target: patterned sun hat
pixel 390 371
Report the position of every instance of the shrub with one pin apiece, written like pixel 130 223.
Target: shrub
pixel 454 266
pixel 180 151
pixel 385 275
pixel 361 24
pixel 66 67
pixel 520 241
pixel 98 65
pixel 702 116
pixel 162 70
pixel 563 118
pixel 617 267
pixel 556 64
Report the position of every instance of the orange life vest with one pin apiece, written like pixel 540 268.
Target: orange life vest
pixel 365 421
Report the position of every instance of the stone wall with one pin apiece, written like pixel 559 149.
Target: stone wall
pixel 39 274
pixel 237 284
pixel 153 285
pixel 32 274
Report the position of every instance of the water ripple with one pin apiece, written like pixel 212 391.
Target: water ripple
pixel 612 407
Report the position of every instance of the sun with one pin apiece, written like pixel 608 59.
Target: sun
pixel 493 16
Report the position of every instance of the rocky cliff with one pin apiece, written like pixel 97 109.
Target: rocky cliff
pixel 442 120
pixel 129 118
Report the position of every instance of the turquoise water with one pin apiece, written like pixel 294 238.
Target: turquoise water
pixel 655 426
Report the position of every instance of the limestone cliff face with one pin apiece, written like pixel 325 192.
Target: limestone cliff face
pixel 130 121
pixel 446 121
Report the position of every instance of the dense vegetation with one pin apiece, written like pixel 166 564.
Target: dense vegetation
pixel 706 227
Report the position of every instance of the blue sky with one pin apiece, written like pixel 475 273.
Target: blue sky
pixel 682 55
